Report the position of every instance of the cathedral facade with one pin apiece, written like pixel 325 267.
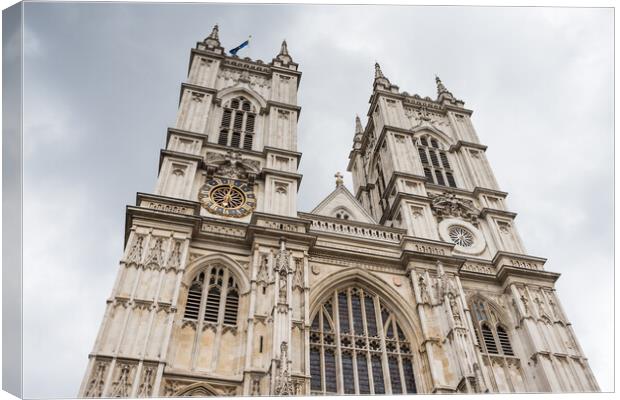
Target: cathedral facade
pixel 417 282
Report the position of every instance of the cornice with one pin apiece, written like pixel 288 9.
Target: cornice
pixel 182 132
pixel 198 88
pixel 415 248
pixel 163 153
pixel 268 149
pixel 508 214
pixel 481 190
pixel 294 229
pixel 462 143
pixel 289 107
pixel 292 175
pixel 236 150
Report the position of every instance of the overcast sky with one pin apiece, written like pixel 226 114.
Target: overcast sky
pixel 102 85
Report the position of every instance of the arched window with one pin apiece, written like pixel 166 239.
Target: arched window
pixel 214 295
pixel 355 335
pixel 435 162
pixel 491 333
pixel 237 126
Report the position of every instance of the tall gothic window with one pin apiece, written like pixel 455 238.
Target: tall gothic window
pixel 237 126
pixel 358 347
pixel 435 162
pixel 490 331
pixel 213 297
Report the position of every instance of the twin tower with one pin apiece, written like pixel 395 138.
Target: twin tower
pixel 417 282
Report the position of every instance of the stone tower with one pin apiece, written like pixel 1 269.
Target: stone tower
pixel 417 283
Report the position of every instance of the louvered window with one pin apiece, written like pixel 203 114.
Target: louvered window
pixel 192 307
pixel 346 349
pixel 232 303
pixel 238 124
pixel 435 162
pixel 489 340
pixel 490 332
pixel 504 341
pixel 208 295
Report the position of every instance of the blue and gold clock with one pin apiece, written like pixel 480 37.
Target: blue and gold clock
pixel 227 197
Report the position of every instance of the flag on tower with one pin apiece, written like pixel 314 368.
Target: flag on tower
pixel 242 45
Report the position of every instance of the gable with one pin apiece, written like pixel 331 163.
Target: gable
pixel 341 203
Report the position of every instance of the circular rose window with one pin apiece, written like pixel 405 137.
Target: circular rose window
pixel 461 236
pixel 467 238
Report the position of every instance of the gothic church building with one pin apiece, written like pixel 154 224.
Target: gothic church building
pixel 415 282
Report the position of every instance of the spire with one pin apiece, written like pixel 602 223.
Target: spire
pixel 283 49
pixel 283 56
pixel 378 72
pixel 215 33
pixel 380 78
pixel 213 40
pixel 442 92
pixel 358 125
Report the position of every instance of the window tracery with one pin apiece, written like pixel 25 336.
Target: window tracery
pixel 354 336
pixel 435 162
pixel 238 124
pixel 214 295
pixel 492 335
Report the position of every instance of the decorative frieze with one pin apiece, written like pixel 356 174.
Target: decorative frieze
pixel 167 207
pixel 354 230
pixel 223 229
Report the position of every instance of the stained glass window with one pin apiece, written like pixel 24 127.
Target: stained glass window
pixel 378 352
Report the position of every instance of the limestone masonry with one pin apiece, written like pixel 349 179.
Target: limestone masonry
pixel 417 282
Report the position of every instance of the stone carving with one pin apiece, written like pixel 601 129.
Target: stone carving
pixel 298 277
pixel 424 294
pixel 525 264
pixel 231 165
pixel 197 96
pixel 554 308
pixel 284 385
pixel 174 260
pixel 262 275
pixel 156 254
pixel 169 208
pixel 456 314
pixel 135 254
pixel 223 230
pixel 282 268
pixel 447 205
pixel 171 388
pixel 524 301
pixel 539 307
pixel 255 82
pixel 348 229
pixel 429 249
pixel 146 387
pixel 95 386
pixel 480 268
pixel 255 386
pixel 122 386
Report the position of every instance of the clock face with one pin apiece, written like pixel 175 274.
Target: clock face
pixel 227 197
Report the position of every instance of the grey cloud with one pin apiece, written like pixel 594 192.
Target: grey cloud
pixel 102 85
